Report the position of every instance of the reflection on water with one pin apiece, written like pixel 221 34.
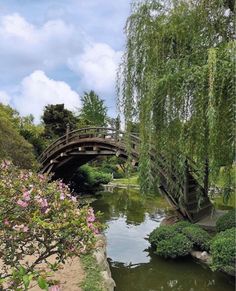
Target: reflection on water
pixel 130 218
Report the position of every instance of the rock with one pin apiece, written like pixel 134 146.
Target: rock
pixel 101 258
pixel 202 256
pixel 109 283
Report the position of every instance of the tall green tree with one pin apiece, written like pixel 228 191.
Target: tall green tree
pixel 33 133
pixel 12 145
pixel 93 112
pixel 177 78
pixel 56 118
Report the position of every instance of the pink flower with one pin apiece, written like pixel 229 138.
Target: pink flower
pixel 42 201
pixel 25 229
pixel 41 177
pixel 91 218
pixel 20 227
pixel 26 196
pixel 6 222
pixel 94 229
pixel 22 203
pixel 73 198
pixel 54 288
pixel 5 164
pixel 62 196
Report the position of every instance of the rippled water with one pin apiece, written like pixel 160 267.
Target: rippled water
pixel 130 218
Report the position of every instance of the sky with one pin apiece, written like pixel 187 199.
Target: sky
pixel 52 51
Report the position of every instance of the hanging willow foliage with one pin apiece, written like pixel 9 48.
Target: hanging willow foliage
pixel 177 79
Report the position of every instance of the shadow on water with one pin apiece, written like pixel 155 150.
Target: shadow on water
pixel 130 218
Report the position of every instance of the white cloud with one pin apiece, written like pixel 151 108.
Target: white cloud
pixel 97 67
pixel 31 46
pixel 37 91
pixel 4 98
pixel 55 47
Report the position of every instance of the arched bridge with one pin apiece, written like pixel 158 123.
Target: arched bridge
pixel 183 189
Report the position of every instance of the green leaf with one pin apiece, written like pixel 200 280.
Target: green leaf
pixel 26 281
pixel 22 271
pixel 42 283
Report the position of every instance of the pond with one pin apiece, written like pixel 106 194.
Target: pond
pixel 130 218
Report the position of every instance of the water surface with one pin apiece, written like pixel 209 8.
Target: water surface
pixel 130 218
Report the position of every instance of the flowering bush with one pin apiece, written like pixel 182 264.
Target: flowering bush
pixel 38 219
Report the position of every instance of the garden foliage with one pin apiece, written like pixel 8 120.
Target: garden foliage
pixel 223 251
pixel 177 80
pixel 38 219
pixel 179 239
pixel 226 221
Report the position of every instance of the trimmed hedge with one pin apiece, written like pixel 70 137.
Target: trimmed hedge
pixel 179 239
pixel 199 237
pixel 226 221
pixel 161 233
pixel 223 251
pixel 177 246
pixel 179 226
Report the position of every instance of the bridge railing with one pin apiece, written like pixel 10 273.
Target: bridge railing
pixel 91 132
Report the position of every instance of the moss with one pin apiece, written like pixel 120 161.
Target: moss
pixel 223 251
pixel 93 279
pixel 177 246
pixel 226 221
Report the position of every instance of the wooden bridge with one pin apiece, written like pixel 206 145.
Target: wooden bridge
pixel 185 189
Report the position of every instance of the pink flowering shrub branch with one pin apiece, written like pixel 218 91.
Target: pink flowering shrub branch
pixel 38 219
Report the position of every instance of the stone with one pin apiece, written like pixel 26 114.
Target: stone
pixel 109 283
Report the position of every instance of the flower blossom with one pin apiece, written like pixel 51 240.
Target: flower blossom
pixel 91 216
pixel 5 164
pixel 22 203
pixel 62 196
pixel 6 221
pixel 21 227
pixel 26 196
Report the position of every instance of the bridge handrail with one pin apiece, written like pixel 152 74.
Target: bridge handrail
pixel 67 138
pixel 61 140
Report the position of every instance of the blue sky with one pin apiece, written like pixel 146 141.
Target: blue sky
pixel 51 51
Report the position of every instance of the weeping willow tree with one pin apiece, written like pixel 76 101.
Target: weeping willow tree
pixel 177 80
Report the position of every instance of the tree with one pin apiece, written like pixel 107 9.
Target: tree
pixel 93 112
pixel 56 118
pixel 178 78
pixel 12 145
pixel 33 133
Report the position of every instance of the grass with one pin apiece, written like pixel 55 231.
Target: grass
pixel 93 279
pixel 219 202
pixel 126 181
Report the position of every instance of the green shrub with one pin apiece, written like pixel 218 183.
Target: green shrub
pixel 161 233
pixel 223 253
pixel 176 246
pixel 88 179
pixel 179 226
pixel 199 237
pixel 226 221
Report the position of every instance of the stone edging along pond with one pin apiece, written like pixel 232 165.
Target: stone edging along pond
pixel 100 255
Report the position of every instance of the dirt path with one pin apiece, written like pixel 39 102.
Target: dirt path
pixel 70 276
